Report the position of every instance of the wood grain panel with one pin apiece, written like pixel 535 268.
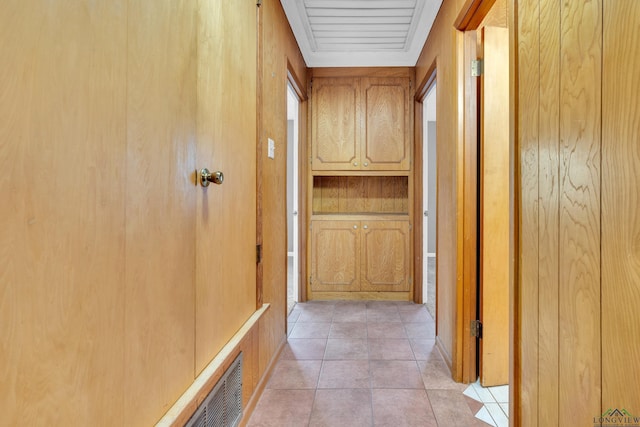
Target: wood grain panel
pixel 335 256
pixel 385 256
pixel 279 55
pixel 526 318
pixel 335 127
pixel 160 228
pixel 62 153
pixel 441 51
pixel 620 202
pixel 226 214
pixel 579 223
pixel 386 123
pixel 494 209
pixel 359 194
pixel 354 195
pixel 548 217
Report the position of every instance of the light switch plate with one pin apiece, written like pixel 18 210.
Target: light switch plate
pixel 271 148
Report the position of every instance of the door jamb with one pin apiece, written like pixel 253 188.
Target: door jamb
pixel 421 92
pixel 301 93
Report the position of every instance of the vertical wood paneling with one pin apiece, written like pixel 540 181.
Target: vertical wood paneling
pixel 280 51
pixel 442 51
pixel 62 156
pixel 548 217
pixel 226 135
pixel 580 120
pixel 620 203
pixel 160 228
pixel 526 316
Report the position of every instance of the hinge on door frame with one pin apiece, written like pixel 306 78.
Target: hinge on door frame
pixel 476 328
pixel 477 67
pixel 310 281
pixel 258 254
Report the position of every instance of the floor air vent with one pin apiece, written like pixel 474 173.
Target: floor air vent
pixel 223 406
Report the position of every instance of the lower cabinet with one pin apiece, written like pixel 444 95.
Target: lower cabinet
pixel 360 256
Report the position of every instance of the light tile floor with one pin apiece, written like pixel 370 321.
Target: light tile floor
pixel 363 364
pixel 495 400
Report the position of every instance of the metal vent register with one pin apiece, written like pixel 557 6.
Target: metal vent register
pixel 223 406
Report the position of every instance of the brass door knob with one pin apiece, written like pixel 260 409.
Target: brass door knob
pixel 206 177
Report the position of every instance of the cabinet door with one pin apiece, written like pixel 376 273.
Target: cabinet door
pixel 385 256
pixel 386 125
pixel 335 256
pixel 335 115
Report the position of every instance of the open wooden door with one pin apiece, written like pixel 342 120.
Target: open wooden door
pixel 494 209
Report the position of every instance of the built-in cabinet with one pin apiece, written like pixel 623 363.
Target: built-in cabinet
pixel 361 124
pixel 354 255
pixel 360 185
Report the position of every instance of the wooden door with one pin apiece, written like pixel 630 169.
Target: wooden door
pixel 62 211
pixel 385 256
pixel 226 214
pixel 335 256
pixel 494 209
pixel 335 124
pixel 386 124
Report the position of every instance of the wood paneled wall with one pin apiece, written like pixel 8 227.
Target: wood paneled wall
pixel 63 153
pixel 106 109
pixel 160 206
pixel 443 50
pixel 576 131
pixel 280 54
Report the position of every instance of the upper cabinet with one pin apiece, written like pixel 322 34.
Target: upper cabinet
pixel 361 124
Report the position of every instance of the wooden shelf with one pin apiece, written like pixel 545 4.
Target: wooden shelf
pixel 360 194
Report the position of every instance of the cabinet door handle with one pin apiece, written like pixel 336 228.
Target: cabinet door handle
pixel 365 226
pixel 355 227
pixel 366 164
pixel 355 163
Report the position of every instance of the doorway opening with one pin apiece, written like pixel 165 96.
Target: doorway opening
pixel 429 186
pixel 293 252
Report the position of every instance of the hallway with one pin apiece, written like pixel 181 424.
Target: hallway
pixel 351 363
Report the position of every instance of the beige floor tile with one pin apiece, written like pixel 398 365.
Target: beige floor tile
pixel 390 349
pixel 343 407
pixel 348 330
pixel 395 374
pixel 402 408
pixel 346 349
pixel 344 374
pixel 386 330
pixel 295 374
pixel 275 408
pixel 304 348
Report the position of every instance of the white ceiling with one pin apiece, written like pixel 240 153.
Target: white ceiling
pixel 361 33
